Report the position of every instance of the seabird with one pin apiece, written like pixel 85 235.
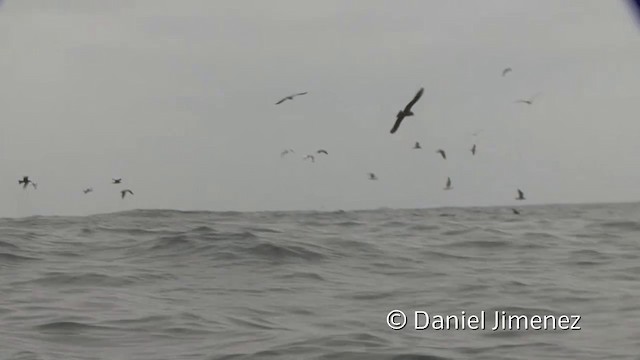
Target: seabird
pixel 125 191
pixel 520 195
pixel 417 146
pixel 528 101
pixel 290 97
pixel 441 152
pixel 285 152
pixel 448 187
pixel 313 159
pixel 406 112
pixel 116 181
pixel 322 151
pixel 506 71
pixel 87 190
pixel 515 211
pixel 473 149
pixel 26 181
pixel 372 176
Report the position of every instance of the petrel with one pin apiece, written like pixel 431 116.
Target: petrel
pixel 506 71
pixel 515 211
pixel 372 176
pixel 125 191
pixel 528 101
pixel 441 152
pixel 26 181
pixel 285 152
pixel 448 187
pixel 116 181
pixel 290 97
pixel 407 111
pixel 417 146
pixel 520 195
pixel 313 159
pixel 322 151
pixel 87 190
pixel 473 149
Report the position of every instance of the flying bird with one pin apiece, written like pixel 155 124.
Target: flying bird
pixel 285 152
pixel 406 111
pixel 313 159
pixel 372 176
pixel 520 195
pixel 528 101
pixel 473 149
pixel 117 181
pixel 417 146
pixel 322 151
pixel 26 181
pixel 441 152
pixel 515 211
pixel 448 187
pixel 506 71
pixel 87 190
pixel 125 191
pixel 290 97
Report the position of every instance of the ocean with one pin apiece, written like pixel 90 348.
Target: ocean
pixel 164 284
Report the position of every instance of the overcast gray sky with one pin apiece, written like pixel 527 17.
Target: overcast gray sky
pixel 177 98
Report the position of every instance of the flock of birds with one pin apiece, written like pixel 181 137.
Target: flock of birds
pixel 25 182
pixel 404 113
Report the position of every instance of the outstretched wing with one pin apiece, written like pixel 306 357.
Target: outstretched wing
pixel 302 93
pixel 506 71
pixel 281 101
pixel 397 123
pixel 321 151
pixel 415 100
pixel 520 193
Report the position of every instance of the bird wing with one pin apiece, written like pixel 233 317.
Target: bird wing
pixel 520 193
pixel 397 123
pixel 323 152
pixel 415 100
pixel 448 181
pixel 302 93
pixel 506 71
pixel 281 101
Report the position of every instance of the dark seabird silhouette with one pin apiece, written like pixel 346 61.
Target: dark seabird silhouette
pixel 26 181
pixel 528 101
pixel 117 181
pixel 520 195
pixel 290 97
pixel 441 152
pixel 87 190
pixel 285 152
pixel 372 176
pixel 322 151
pixel 125 191
pixel 313 159
pixel 407 111
pixel 506 71
pixel 515 211
pixel 417 146
pixel 448 187
pixel 473 149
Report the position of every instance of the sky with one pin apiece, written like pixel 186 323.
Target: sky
pixel 177 98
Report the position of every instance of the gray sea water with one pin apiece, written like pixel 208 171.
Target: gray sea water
pixel 160 284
